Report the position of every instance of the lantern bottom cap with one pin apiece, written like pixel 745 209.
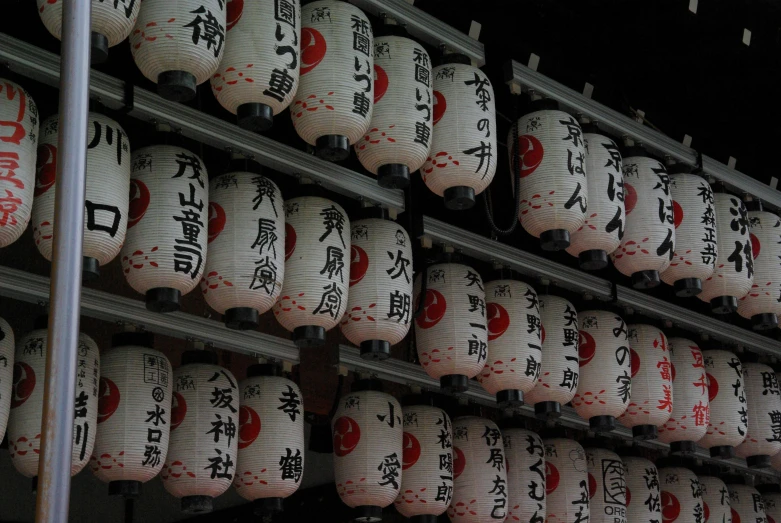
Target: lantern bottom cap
pixel 375 350
pixel 309 336
pixel 454 383
pixel 722 451
pixel 267 506
pixel 546 410
pixel 764 322
pixel 459 198
pixel 645 432
pixel 760 461
pixel 683 448
pixel 99 48
pixel 90 269
pixel 255 117
pixel 197 504
pixel 724 305
pixel 332 147
pixel 241 318
pixel 176 86
pixel 602 423
pixel 687 287
pixel 592 260
pixel 124 488
pixel 642 280
pixel 509 398
pixel 367 514
pixel 163 299
pixel 424 518
pixel 554 240
pixel 393 176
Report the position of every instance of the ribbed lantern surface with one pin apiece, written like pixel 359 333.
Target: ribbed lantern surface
pixel 734 272
pixel 451 330
pixel 258 75
pixel 727 399
pixel 427 464
pixel 715 499
pixel 607 486
pixel 525 475
pixel 696 247
pixel 179 44
pixel 317 247
pixel 246 264
pixel 7 343
pixel 643 504
pixel 747 505
pixel 134 414
pixel 691 411
pixel 681 496
pixel 462 160
pixel 379 305
pixel 368 455
pixel 566 481
pixel 651 402
pixel 761 304
pixel 605 364
pixel 560 368
pixel 24 422
pixel 164 253
pixel 19 115
pixel 480 489
pixel 399 138
pixel 772 502
pixel 763 438
pixel 514 340
pixel 603 227
pixel 332 108
pixel 107 186
pixel 649 240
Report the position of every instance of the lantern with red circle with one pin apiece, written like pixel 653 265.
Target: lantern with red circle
pixel 771 497
pixel 681 495
pixel 525 474
pixel 763 403
pixel 715 499
pixel 761 304
pixel 746 504
pixel 728 425
pixel 642 483
pixel 6 373
pixel 566 481
pixel 607 486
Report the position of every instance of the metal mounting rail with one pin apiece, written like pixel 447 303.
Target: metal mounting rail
pixel 23 286
pixel 43 66
pixel 621 125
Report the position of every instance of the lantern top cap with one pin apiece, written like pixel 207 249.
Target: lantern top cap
pixel 142 339
pixel 41 322
pixel 543 104
pixel 455 58
pixel 199 356
pixel 365 213
pixel 263 369
pixel 367 384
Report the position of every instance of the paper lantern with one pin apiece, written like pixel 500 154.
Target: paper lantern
pixel 19 115
pixel 681 495
pixel 258 76
pixel 771 497
pixel 651 402
pixel 746 504
pixel 134 414
pixel 245 267
pixel 643 503
pixel 332 108
pixel 566 481
pixel 514 341
pixel 605 365
pixel 763 438
pixel 270 462
pixel 734 272
pixel 451 330
pixel 462 161
pixel 761 304
pixel 649 240
pixel 111 23
pixel 24 421
pixel 480 489
pixel 727 399
pixel 368 454
pixel 554 189
pixel 179 45
pixel 607 486
pixel 560 370
pixel 315 291
pixel 715 499
pixel 601 232
pixel 399 138
pixel 165 247
pixel 525 475
pixel 695 233
pixel 427 463
pixel 6 372
pixel 205 431
pixel 689 420
pixel 107 184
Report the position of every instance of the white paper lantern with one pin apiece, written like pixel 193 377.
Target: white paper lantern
pixel 695 234
pixel 315 291
pixel 19 115
pixel 763 438
pixel 427 464
pixel 761 304
pixel 603 227
pixel 205 418
pixel 607 486
pixel 691 411
pixel 178 45
pixel 462 161
pixel 134 414
pixel 258 76
pixel 6 373
pixel 746 503
pixel 734 272
pixel 605 364
pixel 451 331
pixel 771 496
pixel 566 481
pixel 24 421
pixel 399 139
pixel 332 108
pixel 560 369
pixel 727 399
pixel 652 384
pixel 107 185
pixel 514 341
pixel 246 230
pixel 525 475
pixel 270 462
pixel 165 247
pixel 111 23
pixel 480 489
pixel 681 496
pixel 715 499
pixel 368 454
pixel 643 497
pixel 649 241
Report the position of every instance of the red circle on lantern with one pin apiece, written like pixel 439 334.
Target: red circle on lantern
pixel 178 410
pixel 217 220
pixel 24 383
pixel 45 168
pixel 290 240
pixel 592 486
pixel 434 308
pixel 380 83
pixel 769 520
pixel 713 387
pixel 139 201
pixel 630 198
pixel 359 264
pixel 108 399
pixel 677 214
pixel 672 368
pixel 635 358
pixel 235 10
pixel 735 516
pixel 542 333
pixel 347 434
pixel 459 462
pixel 628 496
pixel 706 510
pixel 587 347
pixel 498 320
pixel 671 507
pixel 440 106
pixel 411 451
pixel 249 426
pixel 313 48
pixel 755 245
pixel 532 153
pixel 551 478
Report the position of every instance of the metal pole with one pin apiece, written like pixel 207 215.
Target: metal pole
pixel 54 468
